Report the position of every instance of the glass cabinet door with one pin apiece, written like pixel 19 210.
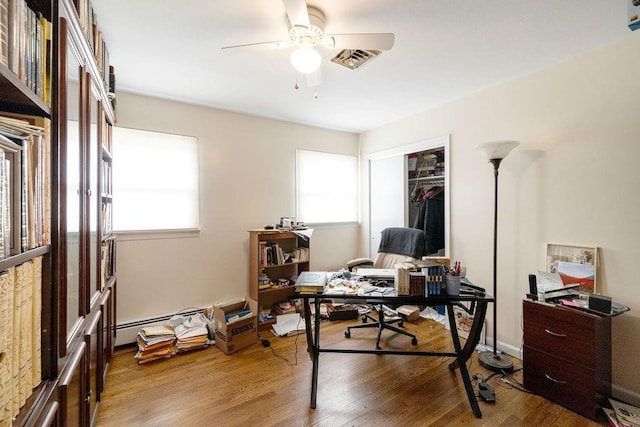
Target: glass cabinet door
pixel 70 198
pixel 93 196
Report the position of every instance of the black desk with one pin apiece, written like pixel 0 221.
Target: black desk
pixel 461 354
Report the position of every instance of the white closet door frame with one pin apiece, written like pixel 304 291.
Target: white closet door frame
pixel 388 189
pixel 386 175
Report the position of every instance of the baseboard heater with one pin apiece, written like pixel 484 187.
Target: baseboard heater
pixel 126 333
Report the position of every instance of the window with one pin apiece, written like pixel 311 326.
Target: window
pixel 155 181
pixel 327 187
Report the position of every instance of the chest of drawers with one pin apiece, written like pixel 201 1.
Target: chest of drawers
pixel 567 356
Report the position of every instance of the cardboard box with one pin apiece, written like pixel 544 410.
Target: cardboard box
pixel 634 13
pixel 236 325
pixel 410 312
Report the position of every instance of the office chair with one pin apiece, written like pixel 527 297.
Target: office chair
pixel 397 245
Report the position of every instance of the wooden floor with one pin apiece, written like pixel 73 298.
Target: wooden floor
pixel 271 387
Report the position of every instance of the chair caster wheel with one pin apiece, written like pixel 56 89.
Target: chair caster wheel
pixel 414 341
pixel 401 324
pixel 347 333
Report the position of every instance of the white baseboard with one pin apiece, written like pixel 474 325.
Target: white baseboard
pixel 505 348
pixel 625 395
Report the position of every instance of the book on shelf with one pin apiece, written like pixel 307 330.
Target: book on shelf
pixel 25 45
pixel 301 254
pixel 271 254
pixel 311 281
pixel 4 32
pixel 24 184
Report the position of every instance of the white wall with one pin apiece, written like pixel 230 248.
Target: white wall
pixel 574 179
pixel 247 180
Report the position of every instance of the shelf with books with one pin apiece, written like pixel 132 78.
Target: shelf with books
pixel 25 208
pixel 276 259
pixel 18 97
pixel 51 80
pixel 25 183
pixel 25 56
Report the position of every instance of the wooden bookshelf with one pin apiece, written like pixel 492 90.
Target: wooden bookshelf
pixel 261 263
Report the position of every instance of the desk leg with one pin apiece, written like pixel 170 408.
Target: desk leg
pixel 461 359
pixel 315 353
pixel 474 334
pixel 307 327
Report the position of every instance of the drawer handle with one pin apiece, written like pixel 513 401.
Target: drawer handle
pixel 555 334
pixel 554 380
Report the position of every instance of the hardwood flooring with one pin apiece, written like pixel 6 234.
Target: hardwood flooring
pixel 271 386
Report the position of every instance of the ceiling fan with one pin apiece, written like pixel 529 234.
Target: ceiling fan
pixel 306 32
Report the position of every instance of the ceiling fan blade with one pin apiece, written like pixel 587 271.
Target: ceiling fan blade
pixel 297 12
pixel 314 78
pixel 366 41
pixel 261 45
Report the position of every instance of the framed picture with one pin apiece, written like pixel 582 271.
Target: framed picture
pixel 575 265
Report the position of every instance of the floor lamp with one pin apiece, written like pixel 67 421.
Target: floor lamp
pixel 495 152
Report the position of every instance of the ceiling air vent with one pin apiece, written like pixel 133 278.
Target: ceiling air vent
pixel 354 58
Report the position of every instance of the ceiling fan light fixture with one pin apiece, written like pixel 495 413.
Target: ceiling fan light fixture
pixel 305 59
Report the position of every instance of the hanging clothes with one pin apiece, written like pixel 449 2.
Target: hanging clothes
pixel 430 219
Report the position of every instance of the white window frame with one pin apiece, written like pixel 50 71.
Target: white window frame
pixel 165 170
pixel 327 188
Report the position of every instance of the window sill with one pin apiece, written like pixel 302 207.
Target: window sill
pixel 157 234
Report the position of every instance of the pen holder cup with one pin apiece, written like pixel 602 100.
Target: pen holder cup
pixel 452 284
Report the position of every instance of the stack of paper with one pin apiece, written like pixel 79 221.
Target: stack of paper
pixel 288 325
pixel 155 342
pixel 191 332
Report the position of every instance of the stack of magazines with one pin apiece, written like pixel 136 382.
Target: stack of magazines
pixel 622 414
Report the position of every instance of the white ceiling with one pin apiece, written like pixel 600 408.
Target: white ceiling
pixel 444 50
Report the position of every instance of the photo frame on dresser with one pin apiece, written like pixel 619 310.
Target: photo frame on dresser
pixel 575 264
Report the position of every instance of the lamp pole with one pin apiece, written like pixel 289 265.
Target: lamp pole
pixel 495 152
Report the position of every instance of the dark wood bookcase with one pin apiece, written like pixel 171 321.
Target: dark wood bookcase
pixel 74 103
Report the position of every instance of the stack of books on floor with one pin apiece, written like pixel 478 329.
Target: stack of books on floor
pixel 155 342
pixel 191 332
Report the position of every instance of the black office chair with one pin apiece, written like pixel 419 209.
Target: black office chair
pixel 397 245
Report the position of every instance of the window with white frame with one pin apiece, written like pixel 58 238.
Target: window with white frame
pixel 327 187
pixel 155 181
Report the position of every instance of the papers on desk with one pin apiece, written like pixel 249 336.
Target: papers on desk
pixel 288 325
pixel 369 290
pixel 341 287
